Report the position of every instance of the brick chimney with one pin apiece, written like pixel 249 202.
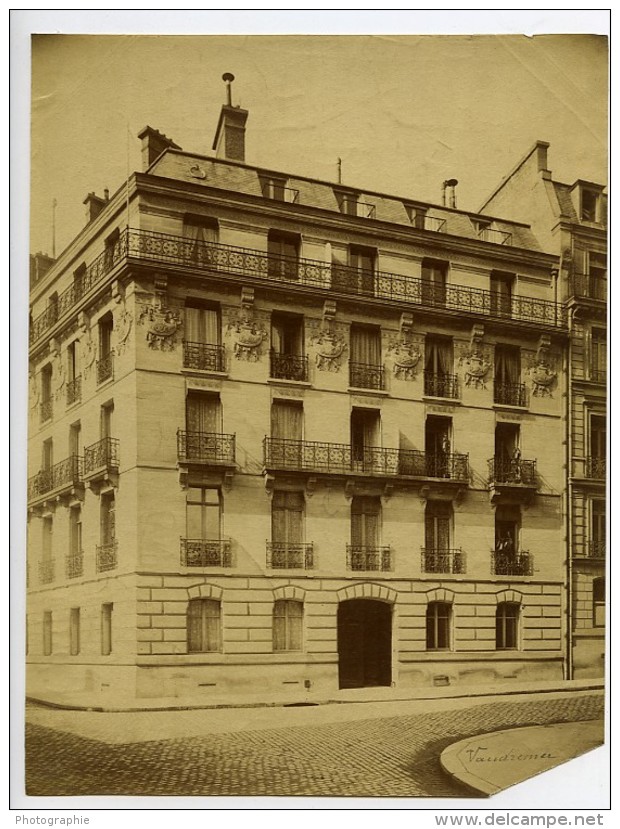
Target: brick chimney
pixel 153 145
pixel 95 204
pixel 40 263
pixel 229 141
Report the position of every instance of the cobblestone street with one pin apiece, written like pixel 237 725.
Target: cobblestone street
pixel 383 756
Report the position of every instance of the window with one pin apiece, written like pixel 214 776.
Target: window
pixel 75 531
pixel 362 260
pixel 507 388
pixel 283 250
pixel 200 232
pixel 286 420
pixel 48 455
pixel 79 277
pixel 347 202
pixel 287 625
pixel 365 522
pixel 438 619
pixel 275 188
pixel 416 215
pixel 590 205
pixel 501 293
pixel 597 275
pixel 507 626
pixel 598 519
pixel 47 632
pixel 434 282
pixel 75 439
pixel 365 434
pixel 203 513
pixel 204 620
pixel 365 369
pixel 287 516
pixel 598 437
pixel 106 628
pixel 439 381
pixel 104 363
pixel 438 446
pixel 202 347
pixel 74 386
pixel 106 420
pixel 46 393
pixel 108 519
pixel 598 355
pixel 48 536
pixel 507 520
pixel 74 631
pixel 507 466
pixel 112 248
pixel 437 526
pixel 598 602
pixel 203 413
pixel 286 359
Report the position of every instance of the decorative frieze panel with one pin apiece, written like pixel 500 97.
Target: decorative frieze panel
pixel 475 359
pixel 89 352
pixel 542 369
pixel 247 330
pixel 123 323
pixel 405 350
pixel 162 321
pixel 329 342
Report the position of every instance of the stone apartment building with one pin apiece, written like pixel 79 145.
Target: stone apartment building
pixel 287 434
pixel 570 221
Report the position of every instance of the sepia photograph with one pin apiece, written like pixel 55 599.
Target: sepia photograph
pixel 317 414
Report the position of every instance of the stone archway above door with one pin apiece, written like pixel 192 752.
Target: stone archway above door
pixel 367 590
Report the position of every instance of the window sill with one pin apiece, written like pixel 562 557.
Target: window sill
pixel 371 392
pixel 204 372
pixel 303 384
pixel 449 401
pixel 510 408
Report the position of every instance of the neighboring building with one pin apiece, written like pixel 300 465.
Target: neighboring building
pixel 570 221
pixel 287 434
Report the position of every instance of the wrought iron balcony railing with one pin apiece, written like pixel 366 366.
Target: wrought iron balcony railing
pixel 205 447
pixel 101 456
pixel 511 564
pixel 596 549
pixel 47 570
pixel 205 552
pixel 596 468
pixel 280 193
pixel 589 286
pixel 74 391
pixel 288 366
pixel 105 368
pixel 507 471
pixel 63 475
pixel 289 555
pixel 107 556
pixel 342 459
pixel 46 410
pixel 74 565
pixel 435 224
pixel 366 376
pixel 598 375
pixel 440 385
pixel 509 394
pixel 498 237
pixel 443 561
pixel 163 248
pixel 203 356
pixel 362 557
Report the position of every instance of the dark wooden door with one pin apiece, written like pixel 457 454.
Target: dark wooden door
pixel 364 643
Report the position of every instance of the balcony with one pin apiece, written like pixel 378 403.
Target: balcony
pixel 511 564
pixel 509 394
pixel 101 461
pixel 512 481
pixel 74 565
pixel 107 557
pixel 203 356
pixel 434 224
pixel 288 555
pixel 343 459
pixel 60 479
pixel 205 552
pixel 105 369
pixel 47 571
pixel 497 237
pixel 591 550
pixel 598 375
pixel 366 376
pixel 443 561
pixel 74 391
pixel 589 286
pixel 596 468
pixel 441 385
pixel 205 448
pixel 176 251
pixel 46 410
pixel 363 558
pixel 288 367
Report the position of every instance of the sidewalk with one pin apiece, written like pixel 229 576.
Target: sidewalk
pixel 83 701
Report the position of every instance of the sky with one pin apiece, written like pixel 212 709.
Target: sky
pixel 402 112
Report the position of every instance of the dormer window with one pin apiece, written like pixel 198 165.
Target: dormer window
pixel 273 187
pixel 349 203
pixel 590 205
pixel 488 232
pixel 419 218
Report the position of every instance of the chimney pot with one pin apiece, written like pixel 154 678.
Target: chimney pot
pixel 229 141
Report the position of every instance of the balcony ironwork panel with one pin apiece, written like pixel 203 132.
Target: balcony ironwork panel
pixel 74 391
pixel 63 475
pixel 101 455
pixel 205 552
pixel 443 561
pixel 511 564
pixel 206 447
pixel 589 286
pixel 40 484
pixel 366 376
pixel 47 571
pixel 288 366
pixel 596 468
pixel 596 549
pixel 107 556
pixel 162 248
pixel 46 410
pixel 362 557
pixel 598 375
pixel 517 472
pixel 105 368
pixel 288 555
pixel 203 356
pixel 509 394
pixel 440 385
pixel 74 565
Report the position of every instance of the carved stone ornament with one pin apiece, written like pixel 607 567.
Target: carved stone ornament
pixel 541 371
pixel 329 345
pixel 248 334
pixel 33 390
pixel 405 358
pixel 162 321
pixel 89 352
pixel 59 375
pixel 123 322
pixel 475 360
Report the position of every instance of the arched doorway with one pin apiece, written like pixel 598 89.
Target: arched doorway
pixel 364 643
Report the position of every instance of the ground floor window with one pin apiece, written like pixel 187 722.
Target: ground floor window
pixel 74 631
pixel 507 626
pixel 287 625
pixel 438 618
pixel 203 625
pixel 598 602
pixel 47 632
pixel 106 628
